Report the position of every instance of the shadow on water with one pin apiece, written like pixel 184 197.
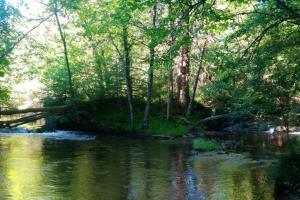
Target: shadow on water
pixel 257 145
pixel 113 168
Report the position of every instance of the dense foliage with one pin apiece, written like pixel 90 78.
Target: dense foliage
pixel 5 38
pixel 239 57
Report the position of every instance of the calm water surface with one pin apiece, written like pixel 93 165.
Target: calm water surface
pixel 64 165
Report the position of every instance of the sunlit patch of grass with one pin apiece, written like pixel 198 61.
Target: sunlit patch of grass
pixel 164 127
pixel 157 125
pixel 118 118
pixel 206 145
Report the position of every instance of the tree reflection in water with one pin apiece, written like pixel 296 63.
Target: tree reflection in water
pixel 117 168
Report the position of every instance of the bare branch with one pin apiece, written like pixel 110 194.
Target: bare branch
pixel 24 36
pixel 262 34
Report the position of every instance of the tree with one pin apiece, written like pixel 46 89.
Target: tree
pixel 152 46
pixel 123 16
pixel 127 74
pixel 191 102
pixel 184 58
pixel 63 40
pixel 6 37
pixel 259 73
pixel 66 58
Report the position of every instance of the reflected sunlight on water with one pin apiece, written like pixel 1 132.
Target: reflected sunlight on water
pixel 69 165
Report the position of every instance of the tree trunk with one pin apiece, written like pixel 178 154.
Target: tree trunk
pixel 183 77
pixel 184 63
pixel 53 109
pixel 150 73
pixel 127 75
pixel 63 39
pixel 191 103
pixel 170 91
pixel 26 119
pixel 170 70
pixel 125 60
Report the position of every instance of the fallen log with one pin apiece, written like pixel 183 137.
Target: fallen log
pixel 212 118
pixel 216 117
pixel 29 120
pixel 13 121
pixel 23 120
pixel 34 110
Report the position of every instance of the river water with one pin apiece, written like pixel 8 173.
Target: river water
pixel 67 165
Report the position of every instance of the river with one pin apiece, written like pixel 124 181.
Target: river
pixel 68 165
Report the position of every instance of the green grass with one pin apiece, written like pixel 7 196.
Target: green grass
pixel 163 127
pixel 206 145
pixel 118 119
pixel 112 114
pixel 157 125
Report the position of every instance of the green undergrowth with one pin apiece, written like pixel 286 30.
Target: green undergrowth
pixel 164 127
pixel 113 114
pixel 206 145
pixel 158 125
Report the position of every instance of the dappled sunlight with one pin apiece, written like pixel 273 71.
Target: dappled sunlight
pixel 22 167
pixel 33 167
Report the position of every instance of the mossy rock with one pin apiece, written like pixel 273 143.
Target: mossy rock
pixel 206 145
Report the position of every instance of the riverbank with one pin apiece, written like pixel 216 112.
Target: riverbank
pixel 112 116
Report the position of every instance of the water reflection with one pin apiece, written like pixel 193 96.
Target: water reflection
pixel 232 177
pixel 117 168
pixel 21 168
pixel 258 145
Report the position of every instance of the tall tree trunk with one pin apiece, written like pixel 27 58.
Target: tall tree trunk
pixel 191 103
pixel 170 70
pixel 127 75
pixel 184 62
pixel 183 77
pixel 125 60
pixel 150 73
pixel 63 39
pixel 170 91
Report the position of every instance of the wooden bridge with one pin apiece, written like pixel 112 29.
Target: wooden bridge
pixel 28 115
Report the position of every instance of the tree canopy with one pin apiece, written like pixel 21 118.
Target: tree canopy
pixel 229 56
